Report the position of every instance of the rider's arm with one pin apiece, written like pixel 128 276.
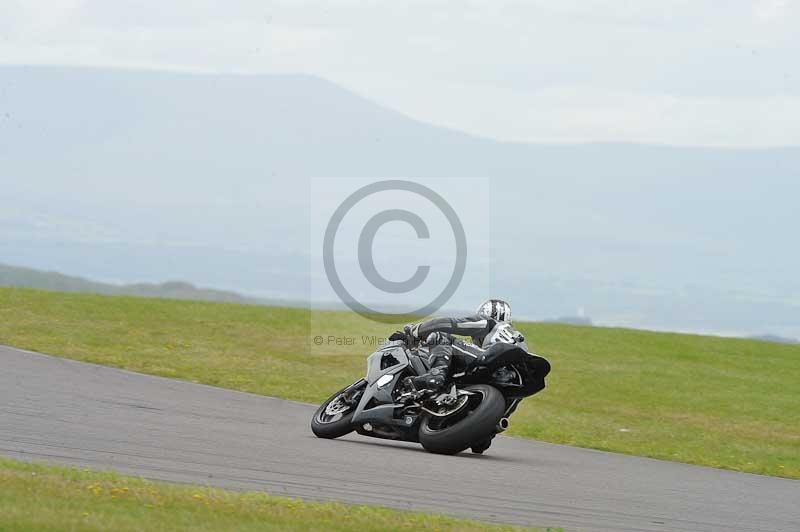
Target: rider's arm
pixel 474 326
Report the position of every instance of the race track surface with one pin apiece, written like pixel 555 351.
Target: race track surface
pixel 68 412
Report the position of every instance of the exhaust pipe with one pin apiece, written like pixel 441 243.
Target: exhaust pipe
pixel 502 424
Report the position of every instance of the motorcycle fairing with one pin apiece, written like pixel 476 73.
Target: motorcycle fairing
pixel 377 404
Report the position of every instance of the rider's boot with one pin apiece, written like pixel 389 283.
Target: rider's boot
pixel 433 380
pixel 481 446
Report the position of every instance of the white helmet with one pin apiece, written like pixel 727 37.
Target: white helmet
pixel 495 309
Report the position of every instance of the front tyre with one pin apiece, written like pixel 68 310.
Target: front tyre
pixel 334 417
pixel 478 421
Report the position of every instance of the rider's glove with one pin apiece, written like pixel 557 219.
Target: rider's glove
pixel 407 335
pixel 411 335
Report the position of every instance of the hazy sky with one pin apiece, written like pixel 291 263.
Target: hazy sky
pixel 697 72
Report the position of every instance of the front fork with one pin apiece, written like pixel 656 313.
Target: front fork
pixel 353 393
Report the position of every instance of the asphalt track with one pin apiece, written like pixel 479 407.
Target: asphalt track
pixel 68 412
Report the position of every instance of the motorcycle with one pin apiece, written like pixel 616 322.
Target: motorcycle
pixel 474 406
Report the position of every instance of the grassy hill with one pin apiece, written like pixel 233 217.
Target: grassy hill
pixel 31 278
pixel 719 402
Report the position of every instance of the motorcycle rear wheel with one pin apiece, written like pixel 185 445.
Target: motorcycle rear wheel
pixel 477 423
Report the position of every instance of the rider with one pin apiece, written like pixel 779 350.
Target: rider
pixel 490 324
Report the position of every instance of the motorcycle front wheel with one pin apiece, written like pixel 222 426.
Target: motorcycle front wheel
pixel 334 417
pixel 475 422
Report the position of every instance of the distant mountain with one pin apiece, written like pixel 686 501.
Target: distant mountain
pixel 43 280
pixel 223 131
pixel 217 179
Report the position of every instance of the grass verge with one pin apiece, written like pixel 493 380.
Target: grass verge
pixel 712 401
pixel 39 497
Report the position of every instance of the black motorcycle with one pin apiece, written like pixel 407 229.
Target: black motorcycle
pixel 473 408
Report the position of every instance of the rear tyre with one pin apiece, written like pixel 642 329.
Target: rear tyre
pixel 334 417
pixel 477 423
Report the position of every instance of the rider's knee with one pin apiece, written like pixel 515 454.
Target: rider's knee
pixel 438 338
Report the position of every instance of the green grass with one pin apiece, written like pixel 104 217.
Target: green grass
pixel 720 402
pixel 38 497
